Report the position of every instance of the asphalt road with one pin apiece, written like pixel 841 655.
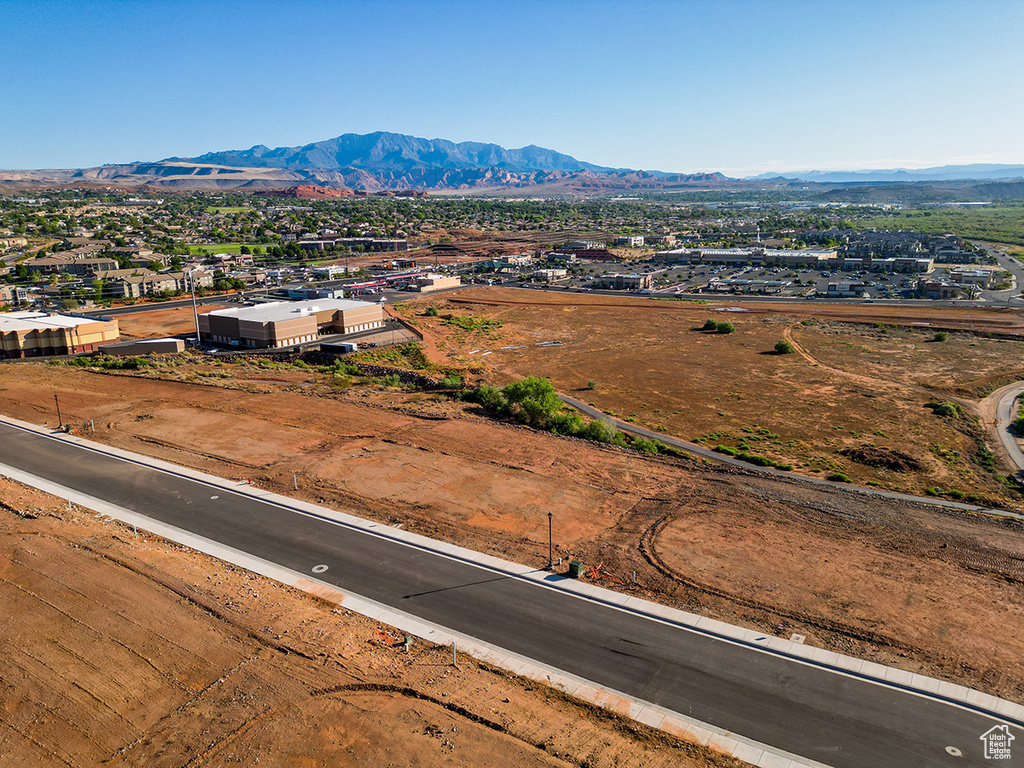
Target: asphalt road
pixel 821 482
pixel 797 707
pixel 1005 415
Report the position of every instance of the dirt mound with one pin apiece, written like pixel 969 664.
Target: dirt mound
pixel 873 456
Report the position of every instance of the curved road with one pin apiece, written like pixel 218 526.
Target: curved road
pixel 709 454
pixel 800 707
pixel 1005 402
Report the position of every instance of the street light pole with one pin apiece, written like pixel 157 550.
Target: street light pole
pixel 551 558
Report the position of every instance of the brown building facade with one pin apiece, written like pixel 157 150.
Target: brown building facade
pixel 284 324
pixel 35 334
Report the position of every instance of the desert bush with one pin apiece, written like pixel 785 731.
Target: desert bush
pixel 431 312
pixel 784 347
pixel 646 445
pixel 566 423
pixel 724 327
pixel 940 336
pixel 532 401
pixel 490 398
pixel 948 410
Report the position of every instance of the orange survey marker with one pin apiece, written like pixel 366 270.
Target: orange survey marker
pixel 387 639
pixel 595 573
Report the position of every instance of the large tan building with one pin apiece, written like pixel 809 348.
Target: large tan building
pixel 33 334
pixel 434 282
pixel 285 323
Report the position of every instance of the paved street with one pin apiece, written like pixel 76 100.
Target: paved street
pixel 796 706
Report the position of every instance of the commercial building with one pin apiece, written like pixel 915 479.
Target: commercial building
pixel 432 282
pixel 846 289
pixel 980 277
pixel 625 282
pixel 550 274
pixel 741 285
pixel 34 334
pixel 753 256
pixel 167 346
pixel 630 241
pixel 284 324
pixel 12 294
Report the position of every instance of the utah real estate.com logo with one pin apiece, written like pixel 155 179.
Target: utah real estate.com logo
pixel 997 742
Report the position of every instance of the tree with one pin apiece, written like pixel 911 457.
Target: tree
pixel 532 401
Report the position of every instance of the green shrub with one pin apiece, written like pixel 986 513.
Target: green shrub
pixel 838 477
pixel 724 327
pixel 646 445
pixel 784 347
pixel 948 410
pixel 566 423
pixel 454 381
pixel 599 431
pixel 940 336
pixel 532 401
pixel 490 398
pixel 710 325
pixel 431 312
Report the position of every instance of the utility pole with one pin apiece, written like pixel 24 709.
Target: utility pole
pixel 551 551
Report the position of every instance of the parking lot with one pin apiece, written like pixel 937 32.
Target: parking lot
pixel 704 279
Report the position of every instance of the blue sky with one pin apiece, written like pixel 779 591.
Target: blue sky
pixel 740 86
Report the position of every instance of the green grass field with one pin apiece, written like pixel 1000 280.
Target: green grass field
pixel 224 247
pixel 227 209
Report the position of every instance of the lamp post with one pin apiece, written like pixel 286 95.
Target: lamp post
pixel 551 559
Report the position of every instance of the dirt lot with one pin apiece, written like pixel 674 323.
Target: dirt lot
pixel 770 554
pixel 124 650
pixel 162 322
pixel 863 377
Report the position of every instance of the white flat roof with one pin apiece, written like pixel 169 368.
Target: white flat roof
pixel 276 311
pixel 34 321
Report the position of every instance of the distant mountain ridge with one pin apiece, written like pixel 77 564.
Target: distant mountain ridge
pixel 975 171
pixel 396 153
pixel 392 163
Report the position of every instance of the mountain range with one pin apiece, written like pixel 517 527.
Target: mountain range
pixel 975 172
pixel 382 162
pixel 396 153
